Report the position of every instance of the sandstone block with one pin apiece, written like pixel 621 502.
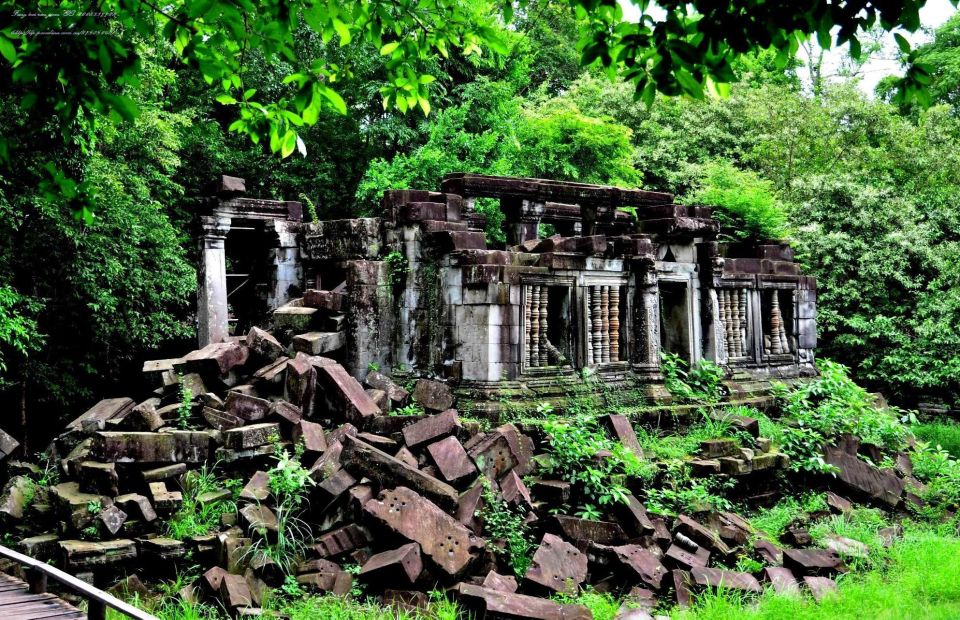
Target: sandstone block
pixel 78 554
pixel 431 428
pixel 342 395
pixel 251 436
pixel 442 538
pixel 379 381
pixel 557 565
pixel 263 344
pixel 318 343
pixel 388 471
pixel 452 460
pixel 401 565
pixel 433 395
pixel 499 604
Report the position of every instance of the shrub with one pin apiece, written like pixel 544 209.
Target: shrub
pixel 702 383
pixel 747 206
pixel 502 522
pixel 826 407
pixel 576 449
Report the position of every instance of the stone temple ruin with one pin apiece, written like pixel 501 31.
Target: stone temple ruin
pixel 420 291
pixel 400 480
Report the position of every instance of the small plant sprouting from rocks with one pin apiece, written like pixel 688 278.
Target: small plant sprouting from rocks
pixel 195 518
pixel 292 588
pixel 501 522
pixel 373 367
pixel 289 479
pixel 186 406
pixel 309 207
pixel 399 266
pixel 410 409
pixel 94 507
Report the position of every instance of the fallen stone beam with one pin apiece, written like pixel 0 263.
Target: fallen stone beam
pixel 388 471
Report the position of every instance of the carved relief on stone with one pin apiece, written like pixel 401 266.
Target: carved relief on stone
pixel 544 352
pixel 533 344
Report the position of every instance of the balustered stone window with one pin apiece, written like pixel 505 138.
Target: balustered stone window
pixel 776 309
pixel 734 311
pixel 549 331
pixel 605 315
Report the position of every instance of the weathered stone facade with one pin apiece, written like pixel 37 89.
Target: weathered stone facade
pixel 419 290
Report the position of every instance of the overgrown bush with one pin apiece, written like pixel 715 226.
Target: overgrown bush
pixel 746 205
pixel 701 383
pixel 818 411
pixel 503 522
pixel 582 454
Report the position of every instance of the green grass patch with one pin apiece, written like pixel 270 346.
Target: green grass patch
pixel 919 579
pixel 943 434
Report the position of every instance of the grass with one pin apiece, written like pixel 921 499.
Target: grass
pixel 919 579
pixel 774 520
pixel 943 434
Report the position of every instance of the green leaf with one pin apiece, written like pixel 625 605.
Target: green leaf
pixel 424 105
pixel 104 55
pixel 335 99
pixel 250 92
pixel 389 48
pixel 7 49
pixel 226 99
pixel 902 42
pixel 289 144
pixel 342 31
pixel 122 105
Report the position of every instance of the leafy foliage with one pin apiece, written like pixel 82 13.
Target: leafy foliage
pixel 503 522
pixel 747 205
pixel 702 383
pixel 582 454
pixel 827 406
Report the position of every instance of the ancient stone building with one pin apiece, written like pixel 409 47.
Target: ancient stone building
pixel 418 290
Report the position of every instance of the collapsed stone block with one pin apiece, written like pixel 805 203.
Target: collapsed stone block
pixel 379 381
pixel 342 395
pixel 214 360
pixel 246 407
pixel 318 343
pixel 431 428
pixel 451 459
pixel 433 395
pixel 715 578
pixel 449 544
pixel 397 565
pixel 251 436
pixel 80 554
pixel 557 565
pixel 264 345
pixel 168 447
pixel 511 606
pixel 812 561
pixel 642 564
pixel 137 506
pixel 96 417
pixel 388 471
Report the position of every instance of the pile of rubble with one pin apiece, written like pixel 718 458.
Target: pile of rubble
pixel 399 496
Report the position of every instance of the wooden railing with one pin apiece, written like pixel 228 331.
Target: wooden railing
pixel 97 600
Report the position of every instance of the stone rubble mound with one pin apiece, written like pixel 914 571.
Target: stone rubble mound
pixel 400 496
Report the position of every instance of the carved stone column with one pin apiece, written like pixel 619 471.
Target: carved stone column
pixel 212 325
pixel 614 323
pixel 647 322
